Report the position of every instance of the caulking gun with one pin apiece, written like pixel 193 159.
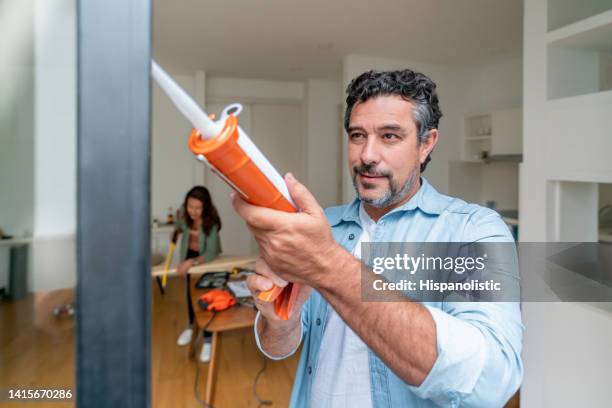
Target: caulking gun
pixel 232 155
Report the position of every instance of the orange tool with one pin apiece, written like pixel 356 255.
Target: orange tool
pixel 216 300
pixel 230 153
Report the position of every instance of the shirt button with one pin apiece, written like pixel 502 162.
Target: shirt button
pixel 318 321
pixel 351 236
pixel 309 370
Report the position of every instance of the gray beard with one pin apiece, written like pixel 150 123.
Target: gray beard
pixel 393 195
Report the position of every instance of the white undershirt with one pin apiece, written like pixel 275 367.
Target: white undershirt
pixel 342 378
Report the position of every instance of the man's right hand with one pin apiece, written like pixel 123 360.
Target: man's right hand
pixel 277 338
pixel 262 281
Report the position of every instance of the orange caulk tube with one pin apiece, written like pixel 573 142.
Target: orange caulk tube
pixel 228 158
pixel 229 151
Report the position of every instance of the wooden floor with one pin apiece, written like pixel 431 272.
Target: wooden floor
pixel 239 361
pixel 37 350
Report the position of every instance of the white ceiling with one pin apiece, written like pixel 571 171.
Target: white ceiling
pixel 299 39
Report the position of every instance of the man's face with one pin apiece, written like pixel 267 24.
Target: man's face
pixel 383 151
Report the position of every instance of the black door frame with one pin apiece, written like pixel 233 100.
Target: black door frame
pixel 113 204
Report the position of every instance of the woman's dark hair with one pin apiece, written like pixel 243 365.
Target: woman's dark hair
pixel 210 216
pixel 412 86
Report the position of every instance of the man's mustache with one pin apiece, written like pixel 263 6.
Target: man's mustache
pixel 370 170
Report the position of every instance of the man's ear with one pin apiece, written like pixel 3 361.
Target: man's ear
pixel 428 145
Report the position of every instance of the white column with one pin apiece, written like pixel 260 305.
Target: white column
pixel 53 250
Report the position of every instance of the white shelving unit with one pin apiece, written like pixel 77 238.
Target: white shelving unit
pixel 492 134
pixel 563 13
pixel 477 137
pixel 580 52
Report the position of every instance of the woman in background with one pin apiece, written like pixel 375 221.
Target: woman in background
pixel 199 224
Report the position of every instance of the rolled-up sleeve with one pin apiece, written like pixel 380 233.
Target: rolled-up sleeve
pixel 303 330
pixel 479 344
pixel 478 362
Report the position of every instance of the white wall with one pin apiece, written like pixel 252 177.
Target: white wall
pixel 174 169
pixel 567 351
pixel 478 183
pixel 55 118
pixel 247 89
pixel 605 70
pixel 16 151
pixel 563 12
pixel 16 124
pixel 569 199
pixel 323 141
pixel 563 63
pixel 278 130
pixel 53 250
pixel 16 117
pixel 494 85
pixel 465 181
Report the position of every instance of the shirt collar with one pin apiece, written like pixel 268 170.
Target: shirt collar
pixel 427 199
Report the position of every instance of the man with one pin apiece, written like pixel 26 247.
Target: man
pixel 382 354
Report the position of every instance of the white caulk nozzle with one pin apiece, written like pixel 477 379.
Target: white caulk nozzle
pixel 183 102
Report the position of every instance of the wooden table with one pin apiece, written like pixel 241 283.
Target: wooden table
pixel 237 317
pixel 221 263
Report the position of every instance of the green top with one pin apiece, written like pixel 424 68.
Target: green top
pixel 210 244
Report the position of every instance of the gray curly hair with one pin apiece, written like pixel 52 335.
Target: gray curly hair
pixel 414 87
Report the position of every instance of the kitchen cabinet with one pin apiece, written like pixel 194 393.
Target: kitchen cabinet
pixel 489 136
pixel 507 132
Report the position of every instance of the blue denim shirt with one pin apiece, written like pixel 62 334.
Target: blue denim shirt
pixel 478 344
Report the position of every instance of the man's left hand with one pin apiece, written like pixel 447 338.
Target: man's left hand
pixel 298 247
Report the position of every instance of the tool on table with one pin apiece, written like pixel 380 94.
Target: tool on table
pixel 216 300
pixel 212 280
pixel 231 154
